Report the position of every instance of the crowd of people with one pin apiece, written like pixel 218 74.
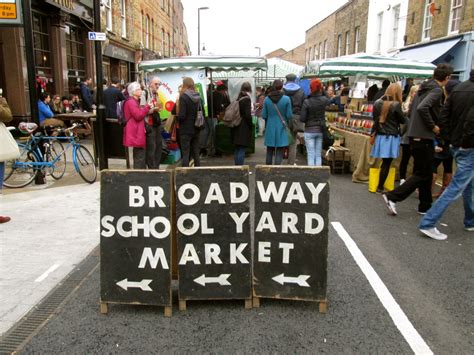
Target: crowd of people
pixel 432 122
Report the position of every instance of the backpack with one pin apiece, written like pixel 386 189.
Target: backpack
pixel 232 116
pixel 120 112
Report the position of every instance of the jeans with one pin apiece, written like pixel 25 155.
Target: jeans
pixel 462 183
pixel 278 152
pixel 314 144
pixel 239 154
pixel 153 147
pixel 190 149
pixel 423 155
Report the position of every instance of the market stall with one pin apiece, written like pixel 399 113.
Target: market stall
pixel 355 123
pixel 201 69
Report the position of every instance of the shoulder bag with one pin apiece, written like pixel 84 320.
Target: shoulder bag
pixel 8 147
pixel 291 139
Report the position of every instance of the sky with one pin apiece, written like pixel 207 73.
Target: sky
pixel 236 27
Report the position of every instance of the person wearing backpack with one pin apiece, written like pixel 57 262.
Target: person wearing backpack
pixel 189 103
pixel 112 95
pixel 277 114
pixel 297 96
pixel 242 134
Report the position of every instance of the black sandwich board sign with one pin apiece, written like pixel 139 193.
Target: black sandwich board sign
pixel 213 234
pixel 135 238
pixel 291 233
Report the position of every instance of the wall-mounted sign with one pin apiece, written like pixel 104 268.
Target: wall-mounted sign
pixel 10 12
pixel 74 7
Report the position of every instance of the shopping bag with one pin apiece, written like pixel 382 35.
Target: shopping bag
pixel 8 147
pixel 291 139
pixel 374 174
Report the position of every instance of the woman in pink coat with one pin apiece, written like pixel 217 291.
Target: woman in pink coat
pixel 134 130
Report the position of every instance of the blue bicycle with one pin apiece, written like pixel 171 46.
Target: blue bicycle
pixel 48 155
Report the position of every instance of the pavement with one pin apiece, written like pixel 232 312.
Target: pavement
pixel 53 227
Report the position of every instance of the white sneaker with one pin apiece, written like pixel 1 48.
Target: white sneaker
pixel 390 205
pixel 402 181
pixel 434 233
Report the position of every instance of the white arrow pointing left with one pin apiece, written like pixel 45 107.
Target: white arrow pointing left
pixel 143 284
pixel 221 280
pixel 299 280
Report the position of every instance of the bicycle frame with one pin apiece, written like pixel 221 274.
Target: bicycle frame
pixel 33 146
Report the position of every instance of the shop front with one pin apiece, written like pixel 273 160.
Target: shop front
pixel 118 62
pixel 62 54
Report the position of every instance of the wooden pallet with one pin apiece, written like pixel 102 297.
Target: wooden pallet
pixel 183 306
pixel 323 304
pixel 167 310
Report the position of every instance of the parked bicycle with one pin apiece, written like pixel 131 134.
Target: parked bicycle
pixel 46 154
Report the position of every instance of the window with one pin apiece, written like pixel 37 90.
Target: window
pixel 396 17
pixel 75 56
pixel 162 41
pixel 108 14
pixel 123 18
pixel 339 45
pixel 169 45
pixel 152 35
pixel 357 39
pixel 163 4
pixel 379 31
pixel 427 21
pixel 42 51
pixel 147 32
pixel 348 42
pixel 143 28
pixel 320 56
pixel 315 52
pixel 325 48
pixel 455 15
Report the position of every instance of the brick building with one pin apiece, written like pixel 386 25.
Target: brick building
pixel 136 30
pixel 441 31
pixel 341 33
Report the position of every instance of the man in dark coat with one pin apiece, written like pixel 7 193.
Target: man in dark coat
pixel 422 131
pixel 381 92
pixel 86 95
pixel 457 126
pixel 112 95
pixel 297 96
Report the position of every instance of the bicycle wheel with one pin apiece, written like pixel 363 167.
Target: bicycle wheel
pixel 84 163
pixel 18 173
pixel 56 149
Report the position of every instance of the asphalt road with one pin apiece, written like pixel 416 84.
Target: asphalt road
pixel 431 281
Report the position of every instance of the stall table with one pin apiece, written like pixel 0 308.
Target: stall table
pixel 83 117
pixel 361 161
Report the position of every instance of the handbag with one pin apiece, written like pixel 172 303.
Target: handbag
pixel 328 138
pixel 5 112
pixel 199 121
pixel 8 147
pixel 289 134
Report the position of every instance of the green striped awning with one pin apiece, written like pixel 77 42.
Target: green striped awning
pixel 371 66
pixel 204 62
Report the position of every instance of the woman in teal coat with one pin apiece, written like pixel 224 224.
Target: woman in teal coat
pixel 276 138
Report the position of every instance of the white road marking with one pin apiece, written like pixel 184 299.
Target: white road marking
pixel 413 338
pixel 45 274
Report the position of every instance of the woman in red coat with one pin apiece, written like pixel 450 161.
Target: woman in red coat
pixel 134 130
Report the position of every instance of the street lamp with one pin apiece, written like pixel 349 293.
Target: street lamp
pixel 199 27
pixel 259 51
